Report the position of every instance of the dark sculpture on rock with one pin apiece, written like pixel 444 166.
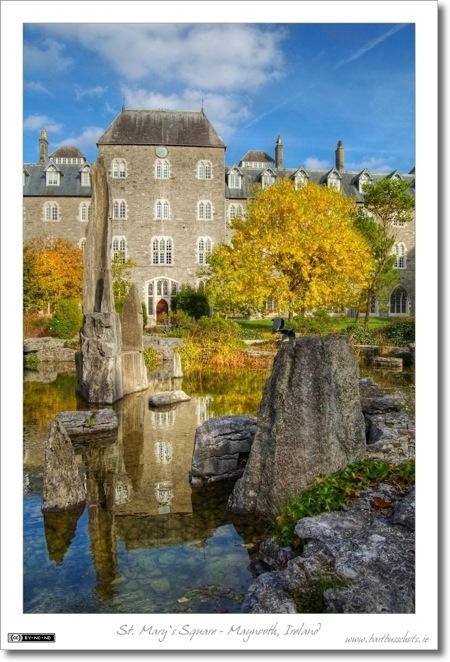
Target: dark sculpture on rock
pixel 111 361
pixel 310 422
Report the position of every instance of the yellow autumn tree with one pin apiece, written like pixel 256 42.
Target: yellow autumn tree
pixel 299 247
pixel 53 270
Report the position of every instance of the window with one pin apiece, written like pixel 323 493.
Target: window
pixel 267 179
pixel 235 211
pixel 82 244
pixel 52 177
pixel 85 178
pixel 204 248
pixel 162 209
pixel 234 180
pixel 400 256
pixel 119 249
pixel 119 209
pixel 162 169
pixel 333 181
pixel 119 168
pixel 399 304
pixel 159 293
pixel 204 170
pixel 363 182
pixel 85 211
pixel 204 210
pixel 51 211
pixel 162 250
pixel 300 179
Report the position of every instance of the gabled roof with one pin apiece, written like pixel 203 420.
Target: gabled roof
pixel 257 156
pixel 70 182
pixel 161 127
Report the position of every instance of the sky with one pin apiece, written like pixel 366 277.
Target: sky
pixel 313 84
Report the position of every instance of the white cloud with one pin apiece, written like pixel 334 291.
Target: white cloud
pixel 97 91
pixel 86 140
pixel 49 59
pixel 313 163
pixel 224 111
pixel 207 56
pixel 37 122
pixel 373 164
pixel 33 86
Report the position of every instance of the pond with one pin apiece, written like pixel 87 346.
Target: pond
pixel 145 542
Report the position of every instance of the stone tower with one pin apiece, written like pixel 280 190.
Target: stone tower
pixel 340 157
pixel 279 153
pixel 43 147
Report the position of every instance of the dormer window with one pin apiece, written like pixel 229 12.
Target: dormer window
pixel 234 179
pixel 267 178
pixel 334 180
pixel 364 180
pixel 85 177
pixel 300 179
pixel 52 176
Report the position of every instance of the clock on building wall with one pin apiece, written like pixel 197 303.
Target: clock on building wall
pixel 161 152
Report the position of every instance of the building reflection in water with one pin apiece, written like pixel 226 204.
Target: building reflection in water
pixel 142 477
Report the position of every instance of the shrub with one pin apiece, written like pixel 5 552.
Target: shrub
pixel 360 334
pixel 317 324
pixel 144 315
pixel 31 361
pixel 400 332
pixel 35 326
pixel 328 493
pixel 191 301
pixel 67 319
pixel 151 358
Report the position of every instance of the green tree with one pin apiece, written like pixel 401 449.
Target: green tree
pixel 299 247
pixel 388 205
pixel 121 280
pixel 191 301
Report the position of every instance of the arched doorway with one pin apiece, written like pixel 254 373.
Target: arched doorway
pixel 399 301
pixel 162 308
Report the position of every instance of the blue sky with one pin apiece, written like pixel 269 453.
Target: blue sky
pixel 313 84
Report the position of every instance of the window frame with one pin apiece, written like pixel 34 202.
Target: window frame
pixel 121 206
pixel 162 254
pixel 122 248
pixel 204 170
pixel 51 212
pixel 205 210
pixel 162 210
pixel 162 169
pixel 121 171
pixel 206 250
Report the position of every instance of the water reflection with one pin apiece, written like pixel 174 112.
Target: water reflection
pixel 138 499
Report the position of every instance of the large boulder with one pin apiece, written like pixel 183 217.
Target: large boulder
pixel 221 448
pixel 310 422
pixel 63 488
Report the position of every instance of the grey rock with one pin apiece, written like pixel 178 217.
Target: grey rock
pixel 42 344
pixel 310 422
pixel 87 425
pixel 221 446
pixel 62 484
pixel 270 593
pixel 164 398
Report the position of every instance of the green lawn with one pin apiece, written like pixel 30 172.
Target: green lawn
pixel 337 323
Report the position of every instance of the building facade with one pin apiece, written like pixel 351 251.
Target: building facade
pixel 173 199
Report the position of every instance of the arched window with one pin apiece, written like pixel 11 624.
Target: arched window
pixel 204 248
pixel 162 209
pixel 400 256
pixel 119 249
pixel 82 244
pixel 51 211
pixel 204 210
pixel 119 168
pixel 162 169
pixel 235 211
pixel 85 211
pixel 119 209
pixel 399 302
pixel 159 293
pixel 162 250
pixel 204 170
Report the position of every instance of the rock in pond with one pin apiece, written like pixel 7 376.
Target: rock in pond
pixel 164 398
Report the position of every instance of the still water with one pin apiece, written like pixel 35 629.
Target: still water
pixel 144 542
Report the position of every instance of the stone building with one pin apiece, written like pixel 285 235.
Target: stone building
pixel 172 199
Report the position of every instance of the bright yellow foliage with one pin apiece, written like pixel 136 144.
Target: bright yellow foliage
pixel 299 247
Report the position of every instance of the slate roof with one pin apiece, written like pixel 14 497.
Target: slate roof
pixel 161 127
pixel 67 152
pixel 258 156
pixel 349 180
pixel 70 182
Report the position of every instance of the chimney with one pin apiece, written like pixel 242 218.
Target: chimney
pixel 279 153
pixel 340 156
pixel 43 147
